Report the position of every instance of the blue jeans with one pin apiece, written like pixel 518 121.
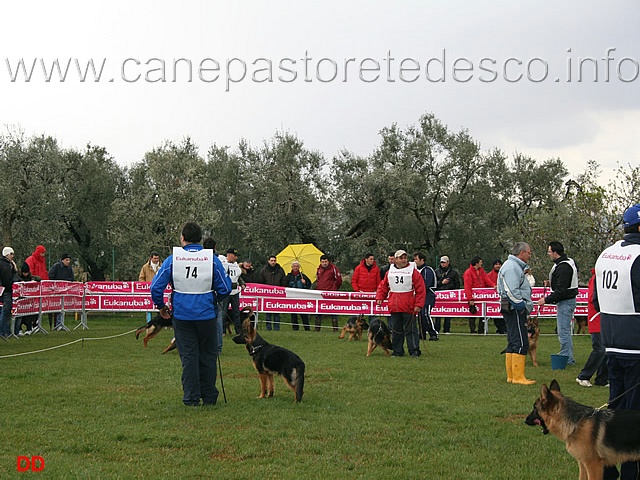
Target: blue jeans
pixel 404 325
pixel 596 362
pixel 5 320
pixel 564 317
pixel 197 342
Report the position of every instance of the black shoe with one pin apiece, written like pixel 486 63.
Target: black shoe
pixel 434 339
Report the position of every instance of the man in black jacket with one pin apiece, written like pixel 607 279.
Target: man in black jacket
pixel 8 274
pixel 448 279
pixel 563 279
pixel 61 271
pixel 272 274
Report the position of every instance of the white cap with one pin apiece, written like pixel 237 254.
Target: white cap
pixel 7 251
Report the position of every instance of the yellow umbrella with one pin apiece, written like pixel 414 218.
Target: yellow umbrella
pixel 306 253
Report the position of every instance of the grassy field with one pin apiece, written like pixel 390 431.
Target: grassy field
pixel 111 409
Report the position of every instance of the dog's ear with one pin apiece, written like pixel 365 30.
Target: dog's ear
pixel 555 386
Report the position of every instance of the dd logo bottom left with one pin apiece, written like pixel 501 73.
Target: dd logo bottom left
pixel 24 464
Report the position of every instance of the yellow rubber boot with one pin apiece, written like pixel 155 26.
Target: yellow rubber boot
pixel 517 365
pixel 509 365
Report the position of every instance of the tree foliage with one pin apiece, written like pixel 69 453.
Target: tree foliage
pixel 424 187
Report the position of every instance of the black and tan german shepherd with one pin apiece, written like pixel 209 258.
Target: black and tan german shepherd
pixel 153 328
pixel 594 437
pixel 533 332
pixel 270 360
pixel 354 327
pixel 379 334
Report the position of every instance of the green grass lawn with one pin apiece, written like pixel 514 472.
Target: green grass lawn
pixel 113 409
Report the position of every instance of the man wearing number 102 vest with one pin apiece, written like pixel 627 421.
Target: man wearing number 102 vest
pixel 198 283
pixel 617 297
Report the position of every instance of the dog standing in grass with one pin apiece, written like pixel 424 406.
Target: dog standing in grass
pixel 354 327
pixel 533 332
pixel 270 360
pixel 594 437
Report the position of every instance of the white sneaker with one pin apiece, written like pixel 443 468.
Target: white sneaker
pixel 583 383
pixel 21 334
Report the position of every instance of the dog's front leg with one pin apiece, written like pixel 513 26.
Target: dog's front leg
pixel 263 384
pixel 271 385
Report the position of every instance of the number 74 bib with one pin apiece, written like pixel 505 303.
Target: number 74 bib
pixel 192 271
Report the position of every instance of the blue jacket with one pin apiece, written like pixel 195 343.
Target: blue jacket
pixel 430 282
pixel 513 285
pixel 191 306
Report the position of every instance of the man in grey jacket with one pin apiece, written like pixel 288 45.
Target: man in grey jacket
pixel 515 305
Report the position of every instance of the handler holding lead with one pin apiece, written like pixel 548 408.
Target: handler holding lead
pixel 198 282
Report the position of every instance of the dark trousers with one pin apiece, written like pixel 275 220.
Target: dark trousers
pixel 501 326
pixel 272 318
pixel 472 324
pixel 596 362
pixel 447 324
pixel 197 342
pixel 305 321
pixel 623 375
pixel 234 301
pixel 404 325
pixel 6 319
pixel 334 322
pixel 426 323
pixel 517 337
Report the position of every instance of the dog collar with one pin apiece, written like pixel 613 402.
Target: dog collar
pixel 254 350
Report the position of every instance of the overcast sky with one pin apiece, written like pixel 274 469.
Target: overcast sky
pixel 507 71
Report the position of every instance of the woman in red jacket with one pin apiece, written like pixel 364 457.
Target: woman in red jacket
pixel 37 263
pixel 366 276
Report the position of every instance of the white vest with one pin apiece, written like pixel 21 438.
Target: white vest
pixel 574 278
pixel 613 279
pixel 192 271
pixel 233 271
pixel 401 279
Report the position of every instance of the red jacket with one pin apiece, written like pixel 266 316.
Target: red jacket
pixel 37 263
pixel 592 314
pixel 364 279
pixel 404 302
pixel 328 278
pixel 473 278
pixel 493 276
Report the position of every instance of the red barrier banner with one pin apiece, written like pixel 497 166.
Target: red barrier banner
pixel 60 287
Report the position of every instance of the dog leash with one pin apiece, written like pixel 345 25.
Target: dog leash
pixel 224 394
pixel 606 405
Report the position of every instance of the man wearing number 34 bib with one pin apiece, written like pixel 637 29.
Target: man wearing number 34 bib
pixel 198 282
pixel 405 287
pixel 617 297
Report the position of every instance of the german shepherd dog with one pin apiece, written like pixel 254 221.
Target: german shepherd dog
pixel 533 331
pixel 354 327
pixel 580 325
pixel 269 359
pixel 379 334
pixel 152 328
pixel 594 437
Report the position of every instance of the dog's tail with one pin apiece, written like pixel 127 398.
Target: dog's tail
pixel 299 382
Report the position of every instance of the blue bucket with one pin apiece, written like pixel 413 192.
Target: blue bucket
pixel 559 362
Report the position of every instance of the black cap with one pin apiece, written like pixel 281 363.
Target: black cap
pixel 64 255
pixel 234 251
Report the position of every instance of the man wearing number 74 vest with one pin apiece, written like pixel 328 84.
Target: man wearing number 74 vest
pixel 407 293
pixel 617 297
pixel 198 283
